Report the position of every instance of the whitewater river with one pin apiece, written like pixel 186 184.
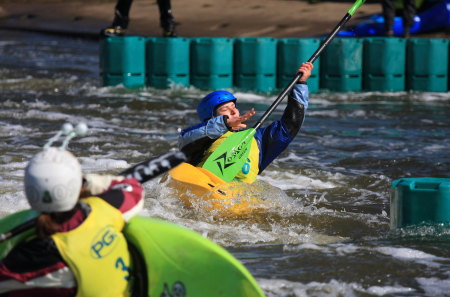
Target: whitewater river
pixel 329 232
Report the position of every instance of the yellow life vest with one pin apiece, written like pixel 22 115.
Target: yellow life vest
pixel 249 170
pixel 97 252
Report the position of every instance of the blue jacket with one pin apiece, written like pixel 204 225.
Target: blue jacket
pixel 272 140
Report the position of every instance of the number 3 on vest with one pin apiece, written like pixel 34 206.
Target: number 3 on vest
pixel 120 264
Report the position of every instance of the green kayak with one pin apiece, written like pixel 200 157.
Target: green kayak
pixel 174 261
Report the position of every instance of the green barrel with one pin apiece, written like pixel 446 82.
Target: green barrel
pixel 212 63
pixel 420 200
pixel 291 53
pixel 384 64
pixel 255 63
pixel 168 61
pixel 341 65
pixel 122 61
pixel 427 64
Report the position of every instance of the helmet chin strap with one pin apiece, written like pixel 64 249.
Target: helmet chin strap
pixel 68 130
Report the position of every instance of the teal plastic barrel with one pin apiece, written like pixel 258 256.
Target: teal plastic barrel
pixel 420 200
pixel 291 53
pixel 122 61
pixel 341 65
pixel 255 63
pixel 384 64
pixel 212 63
pixel 427 64
pixel 168 61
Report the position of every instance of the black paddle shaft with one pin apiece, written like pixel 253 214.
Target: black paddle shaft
pixel 299 75
pixel 149 169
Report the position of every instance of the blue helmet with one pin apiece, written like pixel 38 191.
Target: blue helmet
pixel 210 102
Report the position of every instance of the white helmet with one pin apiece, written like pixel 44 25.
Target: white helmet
pixel 53 180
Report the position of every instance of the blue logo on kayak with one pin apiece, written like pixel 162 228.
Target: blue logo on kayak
pixel 104 242
pixel 178 290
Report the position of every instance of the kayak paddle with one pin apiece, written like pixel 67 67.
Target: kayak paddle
pixel 227 160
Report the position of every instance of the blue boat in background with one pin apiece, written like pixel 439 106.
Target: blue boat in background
pixel 435 17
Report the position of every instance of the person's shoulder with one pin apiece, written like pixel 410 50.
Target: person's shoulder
pixel 194 127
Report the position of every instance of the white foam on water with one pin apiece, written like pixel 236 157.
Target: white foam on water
pixel 10 129
pixel 306 246
pixel 14 166
pixel 435 287
pixel 324 113
pixel 317 179
pixel 289 181
pixel 8 42
pixel 429 96
pixel 12 196
pixel 388 290
pixel 333 246
pixel 17 80
pixel 405 253
pixel 427 121
pixel 359 113
pixel 380 97
pixel 36 104
pixel 111 90
pixel 89 139
pixel 250 98
pixel 171 209
pixel 345 249
pixel 334 288
pixel 147 94
pixel 436 148
pixel 320 101
pixel 408 254
pixel 291 157
pixel 161 202
pixel 13 201
pixel 52 116
pixel 90 164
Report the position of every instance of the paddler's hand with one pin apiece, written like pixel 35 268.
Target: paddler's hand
pixel 95 184
pixel 306 69
pixel 236 123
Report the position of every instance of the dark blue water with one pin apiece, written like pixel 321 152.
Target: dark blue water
pixel 329 235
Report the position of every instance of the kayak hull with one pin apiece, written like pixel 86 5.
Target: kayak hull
pixel 182 261
pixel 200 189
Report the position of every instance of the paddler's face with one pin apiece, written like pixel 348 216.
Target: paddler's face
pixel 228 109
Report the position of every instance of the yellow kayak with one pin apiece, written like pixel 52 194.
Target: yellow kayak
pixel 200 189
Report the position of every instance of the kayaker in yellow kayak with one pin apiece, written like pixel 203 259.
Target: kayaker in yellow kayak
pixel 220 117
